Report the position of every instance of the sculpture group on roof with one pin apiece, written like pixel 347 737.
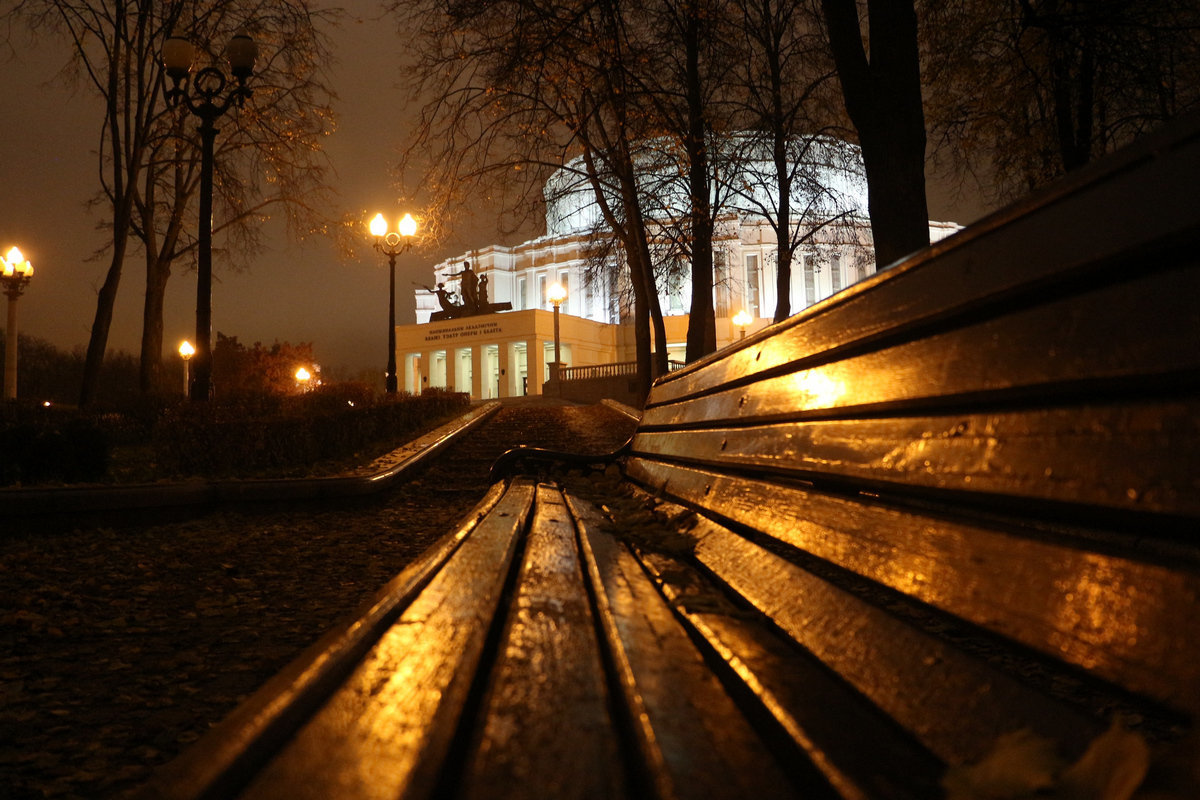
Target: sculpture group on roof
pixel 473 297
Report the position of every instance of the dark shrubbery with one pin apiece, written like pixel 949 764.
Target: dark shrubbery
pixel 250 436
pixel 50 445
pixel 273 435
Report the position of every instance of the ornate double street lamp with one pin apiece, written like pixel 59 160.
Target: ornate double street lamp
pixel 392 244
pixel 205 95
pixel 556 294
pixel 15 272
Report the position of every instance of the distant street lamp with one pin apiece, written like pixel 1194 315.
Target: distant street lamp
pixel 303 376
pixel 186 351
pixel 15 272
pixel 556 294
pixel 202 95
pixel 742 319
pixel 392 244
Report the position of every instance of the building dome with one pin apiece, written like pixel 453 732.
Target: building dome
pixel 828 180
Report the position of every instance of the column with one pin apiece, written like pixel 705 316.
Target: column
pixel 452 370
pixel 478 371
pixel 410 374
pixel 536 360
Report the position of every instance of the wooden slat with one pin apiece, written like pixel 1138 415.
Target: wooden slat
pixel 1104 613
pixel 387 730
pixel 694 741
pixel 1136 456
pixel 927 685
pixel 843 737
pixel 547 731
pixel 1077 340
pixel 1125 205
pixel 223 761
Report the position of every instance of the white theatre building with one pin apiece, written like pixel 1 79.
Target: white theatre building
pixel 509 353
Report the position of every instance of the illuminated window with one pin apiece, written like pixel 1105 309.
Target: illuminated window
pixel 752 280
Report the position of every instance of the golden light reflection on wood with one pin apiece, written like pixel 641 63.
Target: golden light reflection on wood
pixel 387 729
pixel 980 574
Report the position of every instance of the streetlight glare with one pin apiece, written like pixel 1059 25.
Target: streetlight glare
pixel 302 374
pixel 186 350
pixel 378 225
pixel 556 294
pixel 742 318
pixel 408 225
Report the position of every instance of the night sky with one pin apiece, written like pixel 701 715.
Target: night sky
pixel 294 292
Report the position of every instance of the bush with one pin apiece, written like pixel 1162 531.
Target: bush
pixel 43 445
pixel 267 434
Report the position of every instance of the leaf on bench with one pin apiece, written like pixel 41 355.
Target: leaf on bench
pixel 1025 765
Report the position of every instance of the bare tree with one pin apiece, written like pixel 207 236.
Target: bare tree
pixel 1030 89
pixel 789 148
pixel 270 156
pixel 513 91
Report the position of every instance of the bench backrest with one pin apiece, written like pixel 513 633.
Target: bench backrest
pixel 1004 429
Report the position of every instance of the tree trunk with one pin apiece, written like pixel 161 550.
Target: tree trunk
pixel 702 328
pixel 98 340
pixel 150 368
pixel 883 99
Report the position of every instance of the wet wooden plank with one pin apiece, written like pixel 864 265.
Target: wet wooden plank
pixel 692 738
pixel 385 733
pixel 1135 456
pixel 547 731
pixel 1122 208
pixel 225 759
pixel 1075 344
pixel 925 684
pixel 1106 613
pixel 844 738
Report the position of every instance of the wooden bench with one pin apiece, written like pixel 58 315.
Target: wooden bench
pixel 848 557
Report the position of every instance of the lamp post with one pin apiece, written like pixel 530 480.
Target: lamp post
pixel 303 376
pixel 204 95
pixel 556 294
pixel 186 351
pixel 15 272
pixel 742 319
pixel 392 244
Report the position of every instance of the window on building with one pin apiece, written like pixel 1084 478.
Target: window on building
pixel 543 301
pixel 810 281
pixel 721 283
pixel 752 281
pixel 835 272
pixel 564 281
pixel 519 305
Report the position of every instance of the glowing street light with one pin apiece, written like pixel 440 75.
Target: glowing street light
pixel 204 95
pixel 556 294
pixel 742 319
pixel 303 376
pixel 392 244
pixel 15 272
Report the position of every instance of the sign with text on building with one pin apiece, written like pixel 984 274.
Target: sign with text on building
pixel 464 329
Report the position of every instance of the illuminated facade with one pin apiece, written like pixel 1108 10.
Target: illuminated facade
pixel 508 354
